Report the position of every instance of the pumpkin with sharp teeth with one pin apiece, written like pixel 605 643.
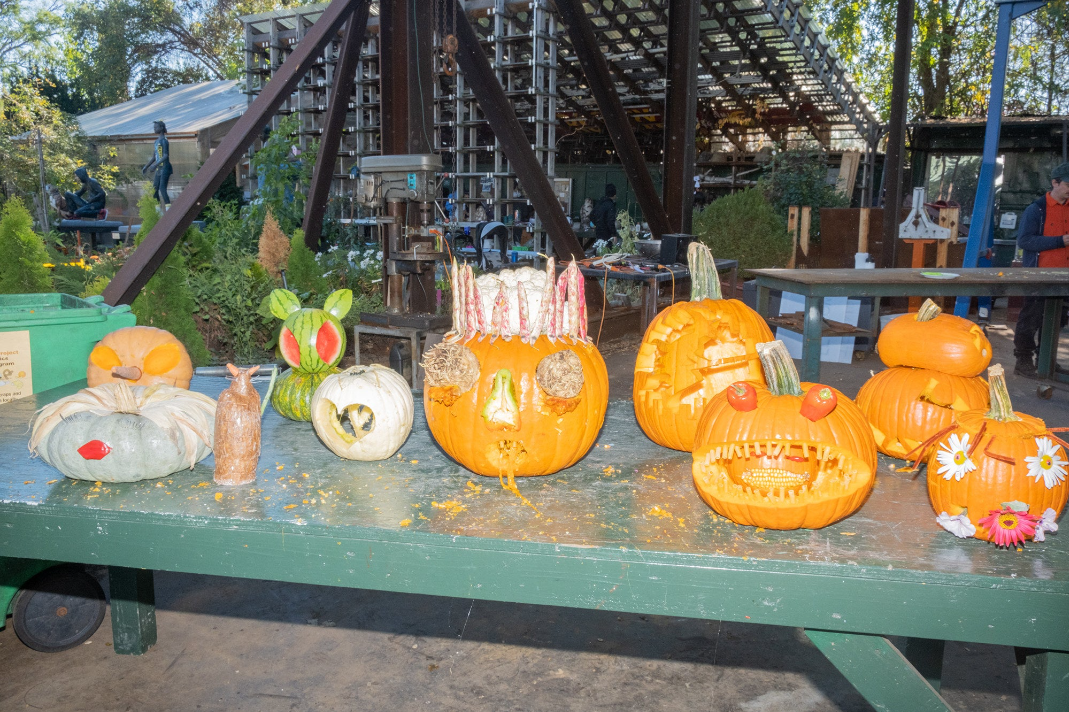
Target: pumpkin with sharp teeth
pixel 803 457
pixel 692 351
pixel 516 388
pixel 139 356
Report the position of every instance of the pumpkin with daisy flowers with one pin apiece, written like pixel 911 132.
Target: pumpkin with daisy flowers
pixel 997 475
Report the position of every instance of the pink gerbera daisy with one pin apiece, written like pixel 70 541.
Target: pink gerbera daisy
pixel 1009 527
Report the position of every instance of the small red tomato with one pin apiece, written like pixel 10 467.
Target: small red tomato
pixel 742 396
pixel 819 401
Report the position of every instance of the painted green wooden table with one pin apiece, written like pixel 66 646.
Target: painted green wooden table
pixel 623 530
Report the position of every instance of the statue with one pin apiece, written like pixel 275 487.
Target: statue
pixel 161 163
pixel 88 207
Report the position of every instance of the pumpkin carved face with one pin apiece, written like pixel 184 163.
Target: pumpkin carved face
pixel 139 356
pixel 520 390
pixel 692 351
pixel 930 339
pixel 799 455
pixel 377 403
pixel 994 460
pixel 906 406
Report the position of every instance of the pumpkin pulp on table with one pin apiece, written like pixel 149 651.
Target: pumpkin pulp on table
pixel 779 465
pixel 691 352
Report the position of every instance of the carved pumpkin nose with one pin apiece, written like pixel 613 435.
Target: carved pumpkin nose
pixel 130 373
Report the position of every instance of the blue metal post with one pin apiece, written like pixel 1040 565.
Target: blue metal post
pixel 980 229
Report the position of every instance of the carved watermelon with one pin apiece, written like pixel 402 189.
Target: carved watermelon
pixel 312 341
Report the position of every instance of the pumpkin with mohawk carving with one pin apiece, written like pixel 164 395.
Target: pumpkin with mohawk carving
pixel 516 388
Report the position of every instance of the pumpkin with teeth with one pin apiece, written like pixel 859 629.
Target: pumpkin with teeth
pixel 802 458
pixel 139 356
pixel 931 339
pixel 692 351
pixel 516 388
pixel 989 459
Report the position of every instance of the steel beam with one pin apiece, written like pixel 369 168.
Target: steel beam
pixel 406 72
pixel 681 113
pixel 896 133
pixel 337 109
pixel 587 50
pixel 147 258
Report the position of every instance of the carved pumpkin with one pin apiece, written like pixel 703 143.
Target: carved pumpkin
pixel 139 356
pixel 906 406
pixel 120 433
pixel 378 404
pixel 312 342
pixel 995 460
pixel 930 339
pixel 516 388
pixel 692 351
pixel 802 457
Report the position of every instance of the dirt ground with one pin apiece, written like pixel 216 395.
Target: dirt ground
pixel 235 645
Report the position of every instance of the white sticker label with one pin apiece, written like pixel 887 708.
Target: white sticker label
pixel 1008 221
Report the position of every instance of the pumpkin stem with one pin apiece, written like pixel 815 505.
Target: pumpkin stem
pixel 780 373
pixel 704 281
pixel 928 311
pixel 1001 407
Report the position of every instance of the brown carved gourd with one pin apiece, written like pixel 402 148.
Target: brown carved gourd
pixel 237 430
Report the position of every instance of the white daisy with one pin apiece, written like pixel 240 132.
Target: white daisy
pixel 954 458
pixel 1046 463
pixel 1046 524
pixel 959 526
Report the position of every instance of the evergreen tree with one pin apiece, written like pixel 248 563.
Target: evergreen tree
pixel 22 269
pixel 303 272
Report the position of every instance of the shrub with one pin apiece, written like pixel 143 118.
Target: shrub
pixel 22 266
pixel 799 176
pixel 303 273
pixel 744 226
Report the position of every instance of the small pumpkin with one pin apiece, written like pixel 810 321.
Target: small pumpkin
pixel 378 404
pixel 120 433
pixel 906 406
pixel 931 339
pixel 516 388
pixel 139 356
pixel 990 461
pixel 691 352
pixel 804 457
pixel 312 342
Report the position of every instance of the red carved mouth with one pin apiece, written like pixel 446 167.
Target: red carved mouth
pixel 94 450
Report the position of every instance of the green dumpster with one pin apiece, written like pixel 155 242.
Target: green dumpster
pixel 45 339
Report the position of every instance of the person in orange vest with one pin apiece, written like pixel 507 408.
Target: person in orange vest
pixel 1043 237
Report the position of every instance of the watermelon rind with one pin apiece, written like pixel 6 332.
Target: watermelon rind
pixel 292 397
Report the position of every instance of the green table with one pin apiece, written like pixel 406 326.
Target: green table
pixel 623 530
pixel 816 284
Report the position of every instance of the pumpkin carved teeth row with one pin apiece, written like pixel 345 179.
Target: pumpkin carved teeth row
pixel 763 473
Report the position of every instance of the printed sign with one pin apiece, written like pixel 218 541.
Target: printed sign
pixel 1008 221
pixel 16 375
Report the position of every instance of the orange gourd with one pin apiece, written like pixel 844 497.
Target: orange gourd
pixel 906 406
pixel 691 352
pixel 784 464
pixel 516 388
pixel 996 460
pixel 930 339
pixel 139 356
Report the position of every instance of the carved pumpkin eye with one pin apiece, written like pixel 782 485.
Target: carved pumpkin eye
pixel 104 357
pixel 560 374
pixel 162 359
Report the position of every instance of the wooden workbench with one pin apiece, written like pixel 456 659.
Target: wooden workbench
pixel 623 530
pixel 816 284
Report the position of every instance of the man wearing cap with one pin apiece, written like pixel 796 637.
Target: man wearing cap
pixel 1043 237
pixel 604 216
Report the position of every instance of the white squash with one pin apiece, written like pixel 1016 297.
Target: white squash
pixel 378 404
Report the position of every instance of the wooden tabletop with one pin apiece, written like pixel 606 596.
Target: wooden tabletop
pixel 1008 281
pixel 621 530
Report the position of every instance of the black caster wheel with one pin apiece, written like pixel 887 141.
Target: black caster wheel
pixel 58 609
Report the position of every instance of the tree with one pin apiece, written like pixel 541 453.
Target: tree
pixel 23 37
pixel 23 270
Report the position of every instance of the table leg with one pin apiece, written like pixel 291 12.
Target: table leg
pixel 874 323
pixel 811 335
pixel 1046 682
pixel 879 671
pixel 356 343
pixel 1048 336
pixel 733 281
pixel 417 376
pixel 649 303
pixel 762 301
pixel 133 610
pixel 926 655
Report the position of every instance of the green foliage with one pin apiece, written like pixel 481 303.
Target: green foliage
pixel 744 226
pixel 282 177
pixel 303 273
pixel 167 302
pixel 22 267
pixel 799 176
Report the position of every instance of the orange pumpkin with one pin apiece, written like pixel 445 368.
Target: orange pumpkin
pixel 906 406
pixel 779 463
pixel 522 391
pixel 930 339
pixel 692 351
pixel 139 356
pixel 994 459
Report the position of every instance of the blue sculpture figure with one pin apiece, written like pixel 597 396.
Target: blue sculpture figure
pixel 93 201
pixel 161 163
